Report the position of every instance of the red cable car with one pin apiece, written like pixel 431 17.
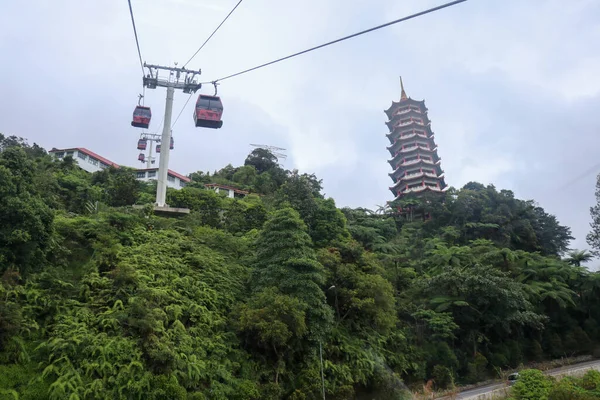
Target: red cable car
pixel 208 112
pixel 171 145
pixel 141 117
pixel 142 157
pixel 142 144
pixel 158 148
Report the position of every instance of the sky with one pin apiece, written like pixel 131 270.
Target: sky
pixel 512 88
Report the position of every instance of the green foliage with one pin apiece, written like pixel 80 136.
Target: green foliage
pixel 593 238
pixel 532 385
pixel 25 218
pixel 237 299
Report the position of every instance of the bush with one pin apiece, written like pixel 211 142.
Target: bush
pixel 591 380
pixel 532 385
pixel 442 376
pixel 477 368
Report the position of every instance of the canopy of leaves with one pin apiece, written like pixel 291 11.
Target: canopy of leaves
pixel 237 299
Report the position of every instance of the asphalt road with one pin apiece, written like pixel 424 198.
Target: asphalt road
pixel 484 391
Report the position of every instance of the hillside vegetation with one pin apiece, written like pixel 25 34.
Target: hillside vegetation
pixel 99 300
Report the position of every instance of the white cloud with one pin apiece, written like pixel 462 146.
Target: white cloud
pixel 502 81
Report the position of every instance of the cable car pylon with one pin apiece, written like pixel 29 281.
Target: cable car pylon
pixel 188 84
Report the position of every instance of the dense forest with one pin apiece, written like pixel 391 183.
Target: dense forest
pixel 248 298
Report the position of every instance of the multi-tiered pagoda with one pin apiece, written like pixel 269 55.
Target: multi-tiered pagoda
pixel 415 161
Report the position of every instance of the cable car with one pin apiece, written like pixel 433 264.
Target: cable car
pixel 171 145
pixel 142 144
pixel 142 157
pixel 141 117
pixel 208 112
pixel 158 148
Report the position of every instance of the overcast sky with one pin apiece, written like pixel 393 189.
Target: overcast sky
pixel 512 87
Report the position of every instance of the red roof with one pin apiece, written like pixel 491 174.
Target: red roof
pixel 108 162
pixel 171 172
pixel 89 153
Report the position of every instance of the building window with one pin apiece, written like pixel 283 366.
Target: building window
pixel 60 155
pixel 81 155
pixel 93 161
pixel 103 166
pixel 151 174
pixel 69 154
pixel 170 178
pixel 141 174
pixel 182 183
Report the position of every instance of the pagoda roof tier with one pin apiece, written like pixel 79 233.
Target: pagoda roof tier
pixel 413 126
pixel 411 151
pixel 413 123
pixel 412 140
pixel 397 147
pixel 406 135
pixel 419 189
pixel 408 101
pixel 420 161
pixel 417 176
pixel 409 114
pixel 437 168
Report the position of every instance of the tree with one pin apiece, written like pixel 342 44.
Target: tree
pixel 121 188
pixel 593 238
pixel 262 160
pixel 577 257
pixel 26 221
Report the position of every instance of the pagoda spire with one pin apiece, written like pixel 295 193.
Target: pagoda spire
pixel 403 93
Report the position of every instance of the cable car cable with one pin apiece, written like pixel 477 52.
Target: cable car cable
pixel 182 108
pixel 452 3
pixel 136 37
pixel 211 35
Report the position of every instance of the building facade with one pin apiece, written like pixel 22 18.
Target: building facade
pixel 92 162
pixel 231 191
pixel 415 161
pixel 174 180
pixel 86 159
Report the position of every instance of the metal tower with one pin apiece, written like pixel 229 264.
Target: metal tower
pixel 173 81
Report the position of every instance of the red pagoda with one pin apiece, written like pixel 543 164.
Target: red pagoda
pixel 415 161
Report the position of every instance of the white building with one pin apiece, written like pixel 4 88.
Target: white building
pixel 231 191
pixel 174 180
pixel 87 160
pixel 92 162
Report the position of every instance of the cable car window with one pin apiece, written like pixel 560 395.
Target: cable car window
pixel 203 102
pixel 216 105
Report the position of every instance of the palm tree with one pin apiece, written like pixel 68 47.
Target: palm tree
pixel 576 257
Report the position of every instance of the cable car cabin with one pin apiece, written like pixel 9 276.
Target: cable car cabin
pixel 142 157
pixel 141 117
pixel 171 145
pixel 158 148
pixel 142 144
pixel 208 112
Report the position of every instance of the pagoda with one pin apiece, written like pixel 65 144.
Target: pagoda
pixel 415 161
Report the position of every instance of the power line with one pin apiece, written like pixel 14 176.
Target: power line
pixel 452 3
pixel 211 35
pixel 182 108
pixel 136 37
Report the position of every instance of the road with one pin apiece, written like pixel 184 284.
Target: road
pixel 485 392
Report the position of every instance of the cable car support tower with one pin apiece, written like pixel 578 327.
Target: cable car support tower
pixel 178 78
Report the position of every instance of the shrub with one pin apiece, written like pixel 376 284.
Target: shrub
pixel 442 376
pixel 532 385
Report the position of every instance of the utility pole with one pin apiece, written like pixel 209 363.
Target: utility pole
pixel 189 84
